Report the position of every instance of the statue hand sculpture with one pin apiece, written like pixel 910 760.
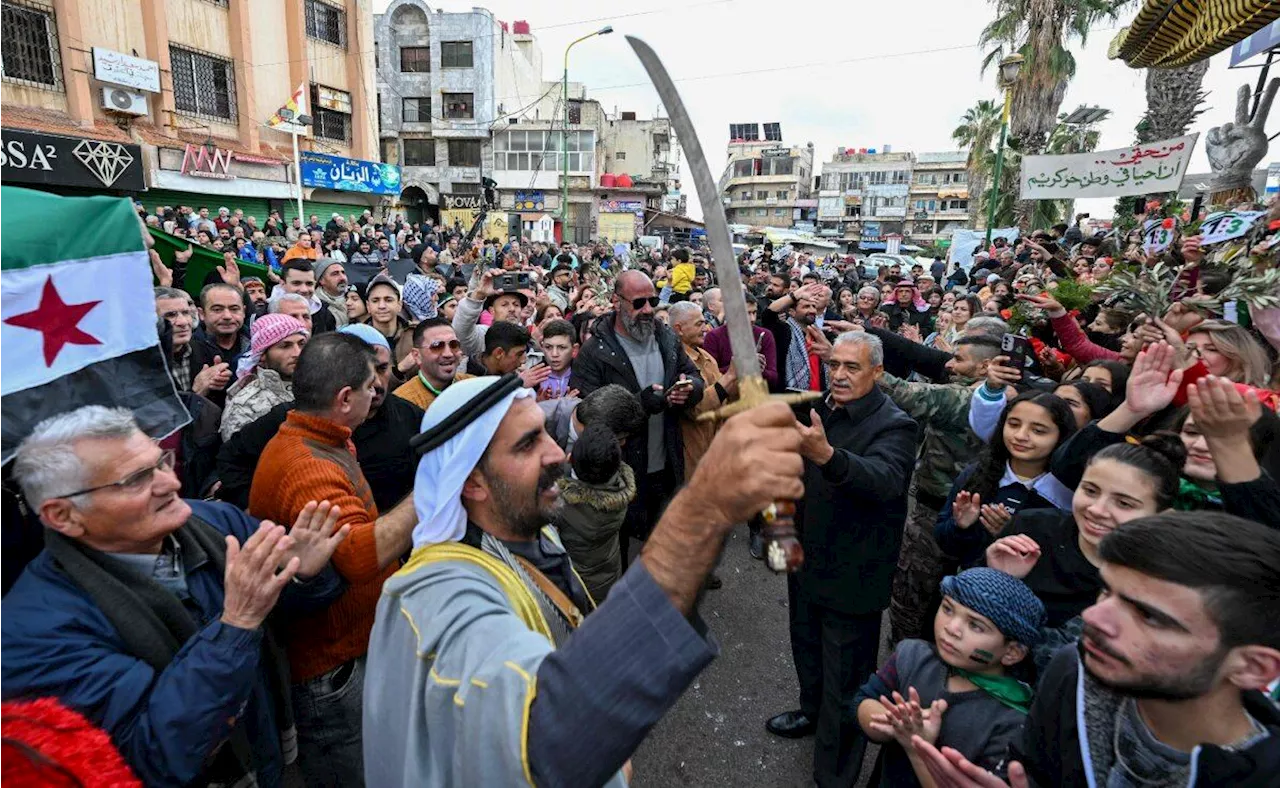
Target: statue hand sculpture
pixel 1235 148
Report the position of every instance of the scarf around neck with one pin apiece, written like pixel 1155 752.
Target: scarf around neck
pixel 1006 689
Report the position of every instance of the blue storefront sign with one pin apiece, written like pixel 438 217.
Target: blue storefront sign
pixel 349 175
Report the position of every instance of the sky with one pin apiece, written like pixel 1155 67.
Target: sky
pixel 900 73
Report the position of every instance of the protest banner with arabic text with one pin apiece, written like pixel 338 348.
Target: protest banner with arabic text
pixel 1142 169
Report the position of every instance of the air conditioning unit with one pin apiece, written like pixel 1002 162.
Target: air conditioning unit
pixel 126 102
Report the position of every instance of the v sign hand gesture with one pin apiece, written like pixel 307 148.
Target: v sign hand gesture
pixel 1235 148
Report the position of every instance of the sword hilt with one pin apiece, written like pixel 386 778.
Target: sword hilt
pixel 782 549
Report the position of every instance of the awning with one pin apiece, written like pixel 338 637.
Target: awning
pixel 1174 33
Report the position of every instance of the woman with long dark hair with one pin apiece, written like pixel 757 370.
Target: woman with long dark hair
pixel 1011 474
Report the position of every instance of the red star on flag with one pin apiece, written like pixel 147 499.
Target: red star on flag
pixel 58 321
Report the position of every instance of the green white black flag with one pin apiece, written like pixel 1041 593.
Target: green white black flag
pixel 77 315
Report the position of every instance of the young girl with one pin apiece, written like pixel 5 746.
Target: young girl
pixel 1012 473
pixel 1056 553
pixel 1088 402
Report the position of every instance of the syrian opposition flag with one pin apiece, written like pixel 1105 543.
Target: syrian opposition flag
pixel 77 315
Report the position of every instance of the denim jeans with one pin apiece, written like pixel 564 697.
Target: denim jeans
pixel 328 711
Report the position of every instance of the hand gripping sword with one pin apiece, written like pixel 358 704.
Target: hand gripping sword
pixel 783 552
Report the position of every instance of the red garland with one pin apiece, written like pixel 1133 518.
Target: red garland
pixel 68 744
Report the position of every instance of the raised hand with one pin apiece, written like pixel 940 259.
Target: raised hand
pixel 904 718
pixel 212 377
pixel 1219 409
pixel 183 255
pixel 1044 301
pixel 679 392
pixel 1001 374
pixel 994 517
pixel 1153 381
pixel 162 273
pixel 313 537
pixel 818 342
pixel 230 269
pixel 813 440
pixel 1015 555
pixel 753 461
pixel 950 769
pixel 966 508
pixel 251 579
pixel 535 376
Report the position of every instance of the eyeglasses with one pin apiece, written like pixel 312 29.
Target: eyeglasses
pixel 135 482
pixel 638 303
pixel 441 344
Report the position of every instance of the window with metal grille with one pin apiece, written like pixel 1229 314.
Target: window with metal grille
pixel 621 155
pixel 415 60
pixel 332 125
pixel 326 23
pixel 464 153
pixel 575 111
pixel 466 188
pixel 456 54
pixel 459 105
pixel 419 153
pixel 203 84
pixel 416 109
pixel 30 45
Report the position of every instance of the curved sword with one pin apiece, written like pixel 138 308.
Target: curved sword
pixel 782 550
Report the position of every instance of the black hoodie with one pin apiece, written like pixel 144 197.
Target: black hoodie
pixel 1053 747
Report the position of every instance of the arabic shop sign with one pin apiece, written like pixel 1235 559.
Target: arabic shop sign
pixel 530 201
pixel 349 175
pixel 1142 169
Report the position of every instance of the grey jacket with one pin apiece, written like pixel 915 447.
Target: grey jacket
pixel 559 415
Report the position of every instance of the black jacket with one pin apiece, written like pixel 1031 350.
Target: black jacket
pixel 1050 748
pixel 603 361
pixel 781 330
pixel 854 507
pixel 322 321
pixel 382 450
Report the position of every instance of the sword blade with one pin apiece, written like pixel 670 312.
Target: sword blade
pixel 732 292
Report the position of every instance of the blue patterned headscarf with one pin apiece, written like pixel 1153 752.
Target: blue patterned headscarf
pixel 1015 610
pixel 418 296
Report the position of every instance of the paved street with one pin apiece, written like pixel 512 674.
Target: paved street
pixel 715 735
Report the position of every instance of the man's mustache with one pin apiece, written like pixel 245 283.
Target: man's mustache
pixel 549 476
pixel 1099 641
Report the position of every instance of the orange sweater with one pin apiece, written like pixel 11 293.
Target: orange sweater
pixel 313 459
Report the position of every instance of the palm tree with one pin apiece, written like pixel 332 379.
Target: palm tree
pixel 1040 30
pixel 1174 99
pixel 978 129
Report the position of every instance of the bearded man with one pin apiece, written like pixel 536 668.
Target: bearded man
pixel 632 348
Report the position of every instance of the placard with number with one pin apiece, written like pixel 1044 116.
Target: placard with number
pixel 1225 225
pixel 1156 237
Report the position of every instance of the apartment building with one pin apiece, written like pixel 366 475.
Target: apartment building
pixel 444 80
pixel 862 196
pixel 939 196
pixel 169 101
pixel 766 183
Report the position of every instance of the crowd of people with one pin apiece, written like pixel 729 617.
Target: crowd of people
pixel 447 522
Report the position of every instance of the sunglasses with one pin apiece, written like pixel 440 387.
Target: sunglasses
pixel 441 344
pixel 638 303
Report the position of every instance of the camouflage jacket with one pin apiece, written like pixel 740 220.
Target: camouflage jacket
pixel 942 409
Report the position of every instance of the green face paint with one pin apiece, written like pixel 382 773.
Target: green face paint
pixel 982 656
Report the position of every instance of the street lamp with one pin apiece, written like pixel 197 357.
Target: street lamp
pixel 1009 68
pixel 564 136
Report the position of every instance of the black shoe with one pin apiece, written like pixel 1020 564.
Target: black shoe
pixel 713 582
pixel 757 545
pixel 791 725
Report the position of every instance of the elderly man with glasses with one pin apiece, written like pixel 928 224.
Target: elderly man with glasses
pixel 145 611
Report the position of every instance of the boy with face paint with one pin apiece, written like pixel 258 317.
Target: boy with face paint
pixel 955 692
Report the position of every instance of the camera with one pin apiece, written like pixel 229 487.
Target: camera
pixel 513 280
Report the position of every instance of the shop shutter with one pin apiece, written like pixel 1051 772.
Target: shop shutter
pixel 252 206
pixel 325 210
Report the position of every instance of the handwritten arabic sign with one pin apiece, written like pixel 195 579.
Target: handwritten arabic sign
pixel 1143 169
pixel 117 68
pixel 1225 225
pixel 349 175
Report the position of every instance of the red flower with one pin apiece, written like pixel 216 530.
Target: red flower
pixel 1006 313
pixel 1167 223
